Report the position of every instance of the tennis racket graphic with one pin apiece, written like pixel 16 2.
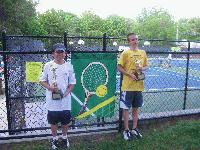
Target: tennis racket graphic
pixel 94 79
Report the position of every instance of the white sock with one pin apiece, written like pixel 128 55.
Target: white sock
pixel 55 138
pixel 64 136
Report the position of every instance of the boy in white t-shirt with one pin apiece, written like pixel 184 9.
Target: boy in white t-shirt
pixel 58 78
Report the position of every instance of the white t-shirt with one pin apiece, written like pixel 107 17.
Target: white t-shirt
pixel 64 76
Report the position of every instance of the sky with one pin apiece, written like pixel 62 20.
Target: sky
pixel 125 8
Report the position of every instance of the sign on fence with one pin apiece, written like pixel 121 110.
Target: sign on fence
pixel 95 87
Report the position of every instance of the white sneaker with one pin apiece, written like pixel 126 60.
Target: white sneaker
pixel 127 135
pixel 136 133
pixel 54 144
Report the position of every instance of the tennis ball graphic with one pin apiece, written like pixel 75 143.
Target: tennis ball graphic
pixel 101 91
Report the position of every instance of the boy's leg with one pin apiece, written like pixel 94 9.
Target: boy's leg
pixel 54 140
pixel 66 118
pixel 52 119
pixel 64 129
pixel 135 117
pixel 125 104
pixel 54 130
pixel 134 130
pixel 65 141
pixel 126 118
pixel 137 103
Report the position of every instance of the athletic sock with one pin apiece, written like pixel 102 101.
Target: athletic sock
pixel 55 138
pixel 64 136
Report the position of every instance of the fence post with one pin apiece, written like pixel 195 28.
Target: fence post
pixel 98 121
pixel 65 40
pixel 186 78
pixel 6 82
pixel 103 122
pixel 104 42
pixel 120 109
pixel 104 49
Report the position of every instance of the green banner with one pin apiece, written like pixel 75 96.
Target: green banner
pixel 96 82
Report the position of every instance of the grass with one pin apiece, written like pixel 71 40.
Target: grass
pixel 184 135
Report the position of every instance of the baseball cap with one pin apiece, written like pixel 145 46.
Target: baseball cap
pixel 59 47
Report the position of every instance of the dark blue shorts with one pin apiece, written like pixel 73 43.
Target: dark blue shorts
pixel 131 99
pixel 63 117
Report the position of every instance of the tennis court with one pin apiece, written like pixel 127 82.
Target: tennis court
pixel 173 77
pixel 171 81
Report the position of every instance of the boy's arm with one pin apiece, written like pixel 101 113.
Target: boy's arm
pixel 69 89
pixel 124 72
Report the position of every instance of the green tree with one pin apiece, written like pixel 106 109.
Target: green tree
pixel 56 22
pixel 16 15
pixel 34 28
pixel 71 23
pixel 189 29
pixel 156 24
pixel 90 24
pixel 117 26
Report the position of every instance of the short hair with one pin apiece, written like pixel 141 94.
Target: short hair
pixel 132 33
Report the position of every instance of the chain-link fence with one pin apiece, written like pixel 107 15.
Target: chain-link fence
pixel 172 82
